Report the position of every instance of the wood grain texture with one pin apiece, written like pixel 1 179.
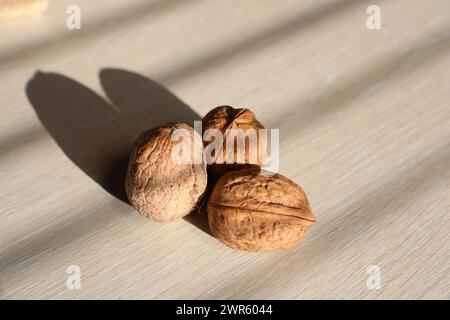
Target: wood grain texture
pixel 364 119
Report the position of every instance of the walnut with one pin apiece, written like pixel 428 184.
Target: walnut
pixel 257 210
pixel 245 151
pixel 158 185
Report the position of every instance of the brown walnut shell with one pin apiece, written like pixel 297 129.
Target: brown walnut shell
pixel 256 210
pixel 223 118
pixel 159 187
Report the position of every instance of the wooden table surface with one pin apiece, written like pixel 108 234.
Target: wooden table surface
pixel 364 119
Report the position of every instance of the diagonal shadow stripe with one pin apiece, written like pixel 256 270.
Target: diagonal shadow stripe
pixel 116 21
pixel 366 82
pixel 299 23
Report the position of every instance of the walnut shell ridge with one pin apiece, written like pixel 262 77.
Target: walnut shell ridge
pixel 223 118
pixel 159 187
pixel 256 210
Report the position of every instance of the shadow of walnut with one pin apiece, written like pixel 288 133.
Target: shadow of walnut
pixel 97 135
